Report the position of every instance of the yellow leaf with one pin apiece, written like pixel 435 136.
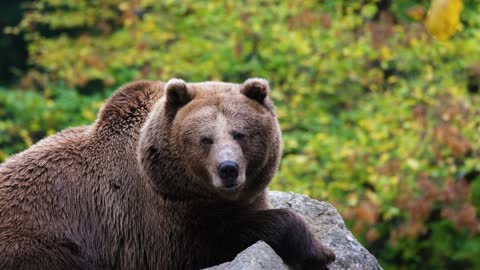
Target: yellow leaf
pixel 385 53
pixel 413 164
pixel 443 17
pixel 123 6
pixel 26 137
pixel 372 196
pixel 88 115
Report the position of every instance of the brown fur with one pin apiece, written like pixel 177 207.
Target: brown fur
pixel 132 191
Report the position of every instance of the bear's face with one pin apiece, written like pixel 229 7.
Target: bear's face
pixel 226 136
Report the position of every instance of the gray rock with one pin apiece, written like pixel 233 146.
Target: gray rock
pixel 259 256
pixel 327 225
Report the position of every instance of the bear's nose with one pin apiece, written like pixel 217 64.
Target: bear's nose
pixel 228 171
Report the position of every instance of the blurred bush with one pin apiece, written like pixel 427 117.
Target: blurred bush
pixel 378 118
pixel 28 116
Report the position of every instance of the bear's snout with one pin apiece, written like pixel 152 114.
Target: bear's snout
pixel 228 172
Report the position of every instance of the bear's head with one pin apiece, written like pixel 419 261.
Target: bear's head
pixel 211 138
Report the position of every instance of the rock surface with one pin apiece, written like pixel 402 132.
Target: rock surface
pixel 328 226
pixel 259 256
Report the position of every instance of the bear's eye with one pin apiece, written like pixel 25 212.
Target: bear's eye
pixel 206 141
pixel 237 135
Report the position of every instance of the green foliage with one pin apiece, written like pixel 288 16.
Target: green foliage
pixel 378 118
pixel 27 116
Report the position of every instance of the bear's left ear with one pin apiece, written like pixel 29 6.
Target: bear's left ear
pixel 177 93
pixel 256 89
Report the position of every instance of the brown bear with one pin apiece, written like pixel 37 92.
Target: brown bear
pixel 170 176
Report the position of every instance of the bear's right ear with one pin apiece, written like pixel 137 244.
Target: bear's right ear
pixel 177 93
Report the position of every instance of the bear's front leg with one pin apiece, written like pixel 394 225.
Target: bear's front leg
pixel 288 234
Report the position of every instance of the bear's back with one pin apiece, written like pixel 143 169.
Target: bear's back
pixel 31 179
pixel 27 179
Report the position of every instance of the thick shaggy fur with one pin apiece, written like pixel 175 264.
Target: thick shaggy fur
pixel 128 192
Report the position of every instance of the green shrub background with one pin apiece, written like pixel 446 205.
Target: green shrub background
pixel 378 118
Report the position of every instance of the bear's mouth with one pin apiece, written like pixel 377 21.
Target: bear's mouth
pixel 230 188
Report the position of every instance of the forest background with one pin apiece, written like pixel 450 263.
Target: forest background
pixel 379 117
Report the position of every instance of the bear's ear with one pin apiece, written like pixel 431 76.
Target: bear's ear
pixel 256 89
pixel 177 93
